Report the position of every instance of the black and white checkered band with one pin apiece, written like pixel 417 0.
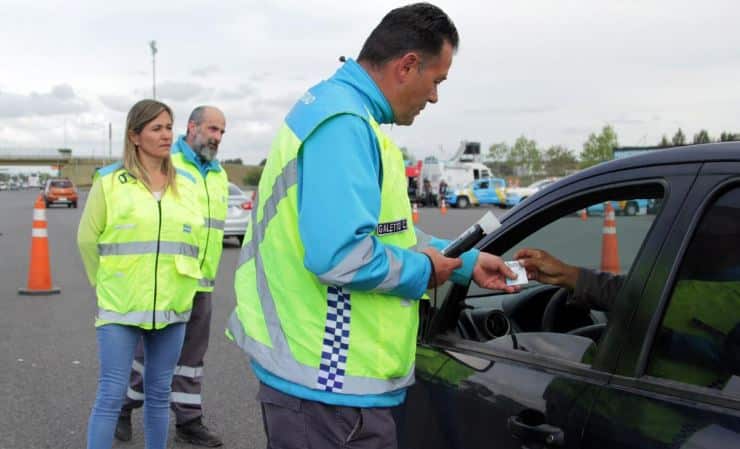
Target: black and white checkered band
pixel 336 341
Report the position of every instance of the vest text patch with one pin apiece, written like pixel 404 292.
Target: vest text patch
pixel 391 227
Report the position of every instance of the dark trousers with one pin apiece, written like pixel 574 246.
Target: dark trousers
pixel 185 399
pixel 293 423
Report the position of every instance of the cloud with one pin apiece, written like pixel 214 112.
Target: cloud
pixel 117 103
pixel 176 91
pixel 203 72
pixel 60 100
pixel 243 91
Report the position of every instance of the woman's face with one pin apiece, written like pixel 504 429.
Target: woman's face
pixel 155 139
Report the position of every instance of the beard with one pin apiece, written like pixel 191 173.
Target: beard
pixel 206 150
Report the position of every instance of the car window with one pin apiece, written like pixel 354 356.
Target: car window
pixel 234 190
pixel 483 185
pixel 555 322
pixel 698 341
pixel 61 184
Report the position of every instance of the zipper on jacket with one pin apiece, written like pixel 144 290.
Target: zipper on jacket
pixel 208 228
pixel 156 262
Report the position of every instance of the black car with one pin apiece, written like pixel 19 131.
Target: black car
pixel 659 369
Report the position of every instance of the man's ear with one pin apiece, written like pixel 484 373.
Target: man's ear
pixel 191 128
pixel 407 64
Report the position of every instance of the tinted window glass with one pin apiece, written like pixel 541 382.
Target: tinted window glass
pixel 541 316
pixel 699 338
pixel 234 190
pixel 61 184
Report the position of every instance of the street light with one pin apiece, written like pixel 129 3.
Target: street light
pixel 153 47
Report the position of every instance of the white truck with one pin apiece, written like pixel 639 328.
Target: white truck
pixel 461 170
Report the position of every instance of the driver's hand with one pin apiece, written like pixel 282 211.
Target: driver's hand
pixel 542 267
pixel 491 272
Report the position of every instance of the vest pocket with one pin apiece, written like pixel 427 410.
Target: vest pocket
pixel 187 266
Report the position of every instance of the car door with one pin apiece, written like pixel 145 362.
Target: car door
pixel 487 373
pixel 482 191
pixel 678 383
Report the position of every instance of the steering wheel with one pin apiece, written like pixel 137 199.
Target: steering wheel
pixel 551 310
pixel 592 331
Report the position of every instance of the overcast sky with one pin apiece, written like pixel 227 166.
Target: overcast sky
pixel 552 70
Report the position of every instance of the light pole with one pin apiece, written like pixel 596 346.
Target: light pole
pixel 153 47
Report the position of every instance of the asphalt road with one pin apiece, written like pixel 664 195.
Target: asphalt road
pixel 49 353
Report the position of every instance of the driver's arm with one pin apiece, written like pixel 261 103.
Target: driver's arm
pixel 590 288
pixel 596 289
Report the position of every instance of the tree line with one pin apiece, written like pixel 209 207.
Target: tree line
pixel 526 159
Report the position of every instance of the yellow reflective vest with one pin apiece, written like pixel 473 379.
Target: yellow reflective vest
pixel 322 337
pixel 211 194
pixel 149 270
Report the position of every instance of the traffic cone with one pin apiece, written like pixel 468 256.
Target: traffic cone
pixel 584 215
pixel 443 207
pixel 415 214
pixel 609 250
pixel 39 271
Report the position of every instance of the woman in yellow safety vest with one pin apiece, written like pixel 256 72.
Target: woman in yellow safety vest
pixel 138 238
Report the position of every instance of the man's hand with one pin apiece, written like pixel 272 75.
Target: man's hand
pixel 543 267
pixel 491 272
pixel 442 266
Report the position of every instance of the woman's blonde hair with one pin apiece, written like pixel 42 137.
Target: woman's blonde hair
pixel 139 116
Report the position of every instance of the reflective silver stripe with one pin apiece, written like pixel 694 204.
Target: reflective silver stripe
pixel 138 367
pixel 135 395
pixel 287 179
pixel 346 270
pixel 204 282
pixel 145 317
pixel 393 278
pixel 189 371
pixel 215 223
pixel 185 398
pixel 39 232
pixel 129 248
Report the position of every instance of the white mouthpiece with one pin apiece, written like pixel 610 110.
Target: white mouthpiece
pixel 488 223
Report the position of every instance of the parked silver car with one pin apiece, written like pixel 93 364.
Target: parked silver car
pixel 237 217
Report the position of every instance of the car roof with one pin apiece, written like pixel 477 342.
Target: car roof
pixel 708 152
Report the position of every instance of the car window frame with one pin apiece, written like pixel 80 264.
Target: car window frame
pixel 631 371
pixel 532 217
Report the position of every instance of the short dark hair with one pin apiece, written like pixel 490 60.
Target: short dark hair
pixel 419 27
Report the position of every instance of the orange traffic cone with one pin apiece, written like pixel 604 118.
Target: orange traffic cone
pixel 39 272
pixel 443 207
pixel 609 250
pixel 415 213
pixel 584 215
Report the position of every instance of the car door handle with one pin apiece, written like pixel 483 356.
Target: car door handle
pixel 529 426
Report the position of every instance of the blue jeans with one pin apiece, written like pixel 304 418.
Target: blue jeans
pixel 116 345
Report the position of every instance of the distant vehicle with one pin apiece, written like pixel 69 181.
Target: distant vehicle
pixel 627 207
pixel 60 191
pixel 482 191
pixel 3 186
pixel 238 214
pixel 33 181
pixel 460 170
pixel 515 195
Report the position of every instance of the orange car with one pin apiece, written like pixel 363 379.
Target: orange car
pixel 60 191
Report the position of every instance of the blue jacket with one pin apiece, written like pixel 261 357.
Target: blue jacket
pixel 339 181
